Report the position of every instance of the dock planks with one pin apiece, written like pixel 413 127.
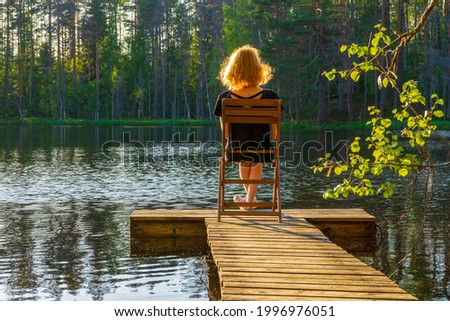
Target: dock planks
pixel 259 259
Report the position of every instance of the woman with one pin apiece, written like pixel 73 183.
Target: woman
pixel 243 73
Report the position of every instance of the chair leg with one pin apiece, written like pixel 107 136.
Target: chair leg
pixel 274 190
pixel 277 179
pixel 276 198
pixel 221 200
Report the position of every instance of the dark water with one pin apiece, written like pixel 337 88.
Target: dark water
pixel 66 194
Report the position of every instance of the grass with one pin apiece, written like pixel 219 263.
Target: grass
pixel 304 125
pixel 109 122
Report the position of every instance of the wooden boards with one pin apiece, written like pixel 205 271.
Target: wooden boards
pixel 334 222
pixel 353 228
pixel 260 259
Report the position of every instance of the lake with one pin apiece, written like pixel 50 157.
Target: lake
pixel 66 194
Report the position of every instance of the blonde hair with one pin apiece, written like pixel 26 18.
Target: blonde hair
pixel 244 68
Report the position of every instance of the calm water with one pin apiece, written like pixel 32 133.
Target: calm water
pixel 66 194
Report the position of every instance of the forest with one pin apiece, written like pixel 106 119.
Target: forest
pixel 149 59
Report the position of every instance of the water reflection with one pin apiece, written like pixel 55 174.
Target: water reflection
pixel 65 201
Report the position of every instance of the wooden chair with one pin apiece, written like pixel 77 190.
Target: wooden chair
pixel 247 112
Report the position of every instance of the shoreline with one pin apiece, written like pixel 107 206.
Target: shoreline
pixel 357 125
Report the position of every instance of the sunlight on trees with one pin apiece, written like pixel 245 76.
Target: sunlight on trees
pixel 120 59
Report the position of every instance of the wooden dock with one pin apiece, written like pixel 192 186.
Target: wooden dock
pixel 258 258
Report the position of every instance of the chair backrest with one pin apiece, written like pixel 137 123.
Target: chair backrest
pixel 251 111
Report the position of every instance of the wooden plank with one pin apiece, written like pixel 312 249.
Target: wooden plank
pixel 267 231
pixel 269 245
pixel 346 229
pixel 350 214
pixel 260 297
pixel 163 229
pixel 320 279
pixel 284 252
pixel 361 287
pixel 172 215
pixel 306 269
pixel 248 181
pixel 257 204
pixel 158 246
pixel 312 277
pixel 268 227
pixel 238 213
pixel 266 237
pixel 261 259
pixel 230 102
pixel 295 294
pixel 269 223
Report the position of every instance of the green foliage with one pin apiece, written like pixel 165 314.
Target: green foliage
pixel 237 29
pixel 160 59
pixel 383 149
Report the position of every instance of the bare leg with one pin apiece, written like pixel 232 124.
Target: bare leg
pixel 244 173
pixel 250 171
pixel 255 173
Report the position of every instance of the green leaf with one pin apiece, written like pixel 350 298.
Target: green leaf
pixel 375 42
pixel 387 189
pixel 386 122
pixel 385 82
pixel 426 133
pixel 374 51
pixel 330 194
pixel 330 76
pixel 367 182
pixel 354 75
pixel 403 172
pixel 406 161
pixel 376 170
pixel 352 50
pixel 355 147
pixel 438 113
pixel 338 170
pixel 419 140
pixel 411 122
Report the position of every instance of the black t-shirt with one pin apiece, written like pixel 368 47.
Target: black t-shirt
pixel 265 94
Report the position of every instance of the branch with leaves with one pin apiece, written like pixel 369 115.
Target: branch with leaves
pixel 383 149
